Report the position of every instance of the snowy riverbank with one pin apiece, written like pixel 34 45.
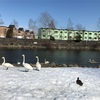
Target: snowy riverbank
pixel 49 84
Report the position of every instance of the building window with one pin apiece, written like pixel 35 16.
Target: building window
pixel 95 38
pixel 95 33
pixel 85 33
pixel 65 36
pixel 77 33
pixel 90 38
pixel 43 30
pixel 61 32
pixel 56 31
pixel 90 33
pixel 44 35
pixel 70 37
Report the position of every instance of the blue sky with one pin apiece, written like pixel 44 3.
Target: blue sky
pixel 85 12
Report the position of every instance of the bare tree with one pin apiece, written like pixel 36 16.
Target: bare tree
pixel 98 24
pixel 70 24
pixel 1 21
pixel 45 20
pixel 15 23
pixel 32 26
pixel 79 27
pixel 52 24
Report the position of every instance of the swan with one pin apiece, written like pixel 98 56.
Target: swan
pixel 18 63
pixel 38 65
pixel 26 65
pixel 46 62
pixel 7 65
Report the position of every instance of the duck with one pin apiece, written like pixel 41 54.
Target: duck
pixel 79 82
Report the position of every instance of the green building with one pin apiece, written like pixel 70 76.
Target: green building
pixel 64 34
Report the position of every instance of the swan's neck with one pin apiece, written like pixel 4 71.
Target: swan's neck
pixel 23 59
pixel 3 60
pixel 37 59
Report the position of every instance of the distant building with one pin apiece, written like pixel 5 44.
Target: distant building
pixel 12 32
pixel 3 31
pixel 64 34
pixel 29 35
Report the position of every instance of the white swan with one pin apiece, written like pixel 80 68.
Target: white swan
pixel 7 65
pixel 38 65
pixel 18 63
pixel 46 62
pixel 26 65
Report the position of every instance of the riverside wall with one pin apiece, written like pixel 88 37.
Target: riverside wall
pixel 14 43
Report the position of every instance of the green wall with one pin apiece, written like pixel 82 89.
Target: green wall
pixel 64 34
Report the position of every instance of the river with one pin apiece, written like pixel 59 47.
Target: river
pixel 80 57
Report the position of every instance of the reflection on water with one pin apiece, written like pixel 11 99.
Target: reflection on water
pixel 58 56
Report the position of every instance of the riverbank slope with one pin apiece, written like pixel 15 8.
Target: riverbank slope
pixel 48 44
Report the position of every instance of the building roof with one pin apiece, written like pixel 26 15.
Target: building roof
pixel 26 30
pixel 70 30
pixel 11 26
pixel 21 29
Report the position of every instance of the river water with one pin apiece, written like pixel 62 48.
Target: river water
pixel 80 57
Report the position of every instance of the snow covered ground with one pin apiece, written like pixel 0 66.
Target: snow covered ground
pixel 49 84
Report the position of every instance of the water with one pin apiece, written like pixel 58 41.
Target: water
pixel 80 57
